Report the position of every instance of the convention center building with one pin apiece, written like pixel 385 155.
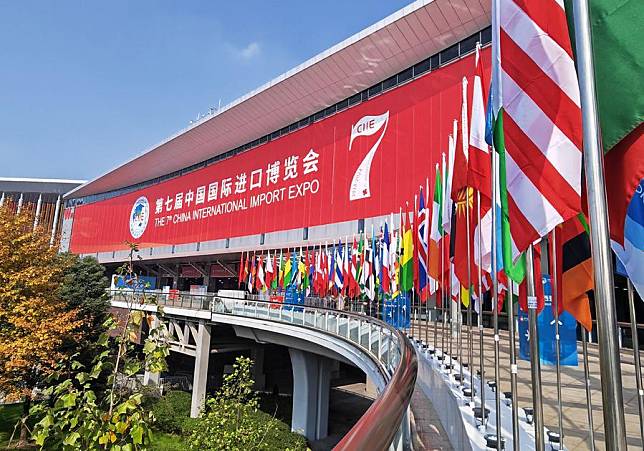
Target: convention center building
pixel 323 152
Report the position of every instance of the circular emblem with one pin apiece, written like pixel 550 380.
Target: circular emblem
pixel 139 217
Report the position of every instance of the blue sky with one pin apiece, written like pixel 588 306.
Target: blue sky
pixel 86 85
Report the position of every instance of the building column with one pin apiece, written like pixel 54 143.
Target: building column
pixel 257 355
pixel 200 379
pixel 311 388
pixel 148 377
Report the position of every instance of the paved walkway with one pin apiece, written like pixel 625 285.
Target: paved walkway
pixel 429 434
pixel 575 418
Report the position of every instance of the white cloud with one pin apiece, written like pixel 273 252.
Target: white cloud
pixel 249 52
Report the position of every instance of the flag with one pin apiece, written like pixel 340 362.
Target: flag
pixel 385 277
pixel 303 276
pixel 275 272
pixel 346 275
pixel 260 283
pixel 281 271
pixel 338 277
pixel 460 166
pixel 251 276
pixel 353 271
pixel 422 248
pixel 394 265
pixel 269 270
pixel 619 58
pixel 436 231
pixel 331 270
pixel 288 269
pixel 448 173
pixel 538 131
pixel 240 277
pixel 479 174
pixel 624 169
pixel 407 258
pixel 574 270
pixel 461 239
pixel 367 274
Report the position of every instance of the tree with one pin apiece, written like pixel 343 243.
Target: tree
pixel 75 415
pixel 35 323
pixel 232 419
pixel 83 289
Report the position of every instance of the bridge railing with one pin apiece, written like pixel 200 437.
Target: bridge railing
pixel 388 347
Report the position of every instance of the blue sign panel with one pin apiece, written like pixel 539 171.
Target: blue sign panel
pixel 546 327
pixel 141 283
pixel 292 296
pixel 396 311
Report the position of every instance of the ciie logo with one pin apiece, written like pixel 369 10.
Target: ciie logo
pixel 367 126
pixel 139 217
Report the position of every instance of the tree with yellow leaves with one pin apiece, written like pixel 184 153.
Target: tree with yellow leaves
pixel 35 324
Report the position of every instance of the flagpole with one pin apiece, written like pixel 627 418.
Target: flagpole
pixel 609 359
pixel 495 299
pixel 480 315
pixel 452 309
pixel 555 301
pixel 636 355
pixel 513 369
pixel 535 361
pixel 442 276
pixel 469 192
pixel 426 238
pixel 589 401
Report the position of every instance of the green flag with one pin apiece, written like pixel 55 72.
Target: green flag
pixel 618 53
pixel 515 271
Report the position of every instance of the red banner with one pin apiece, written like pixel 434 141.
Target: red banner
pixel 362 162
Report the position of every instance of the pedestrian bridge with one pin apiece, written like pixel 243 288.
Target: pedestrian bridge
pixel 314 337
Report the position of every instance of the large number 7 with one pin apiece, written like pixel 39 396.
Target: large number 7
pixel 366 126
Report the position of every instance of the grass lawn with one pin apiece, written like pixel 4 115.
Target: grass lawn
pixel 162 441
pixel 9 416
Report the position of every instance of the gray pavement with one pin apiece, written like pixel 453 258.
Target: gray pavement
pixel 575 419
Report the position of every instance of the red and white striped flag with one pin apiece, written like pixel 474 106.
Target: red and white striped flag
pixel 539 94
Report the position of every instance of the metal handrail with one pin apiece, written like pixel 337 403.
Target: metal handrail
pixel 378 427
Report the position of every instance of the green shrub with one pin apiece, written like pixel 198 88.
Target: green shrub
pixel 232 419
pixel 172 412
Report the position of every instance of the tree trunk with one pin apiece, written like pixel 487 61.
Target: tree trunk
pixel 24 432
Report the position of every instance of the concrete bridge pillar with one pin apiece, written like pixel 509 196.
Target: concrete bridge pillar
pixel 148 377
pixel 202 355
pixel 311 388
pixel 257 355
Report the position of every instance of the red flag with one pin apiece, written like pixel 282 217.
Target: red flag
pixel 465 198
pixel 240 277
pixel 461 148
pixel 479 174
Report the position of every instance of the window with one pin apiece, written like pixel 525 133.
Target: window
pixel 405 75
pixel 375 89
pixel 390 82
pixel 434 62
pixel 486 35
pixel 449 54
pixel 421 67
pixel 469 44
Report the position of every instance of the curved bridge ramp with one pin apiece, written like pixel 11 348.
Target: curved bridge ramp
pixel 385 354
